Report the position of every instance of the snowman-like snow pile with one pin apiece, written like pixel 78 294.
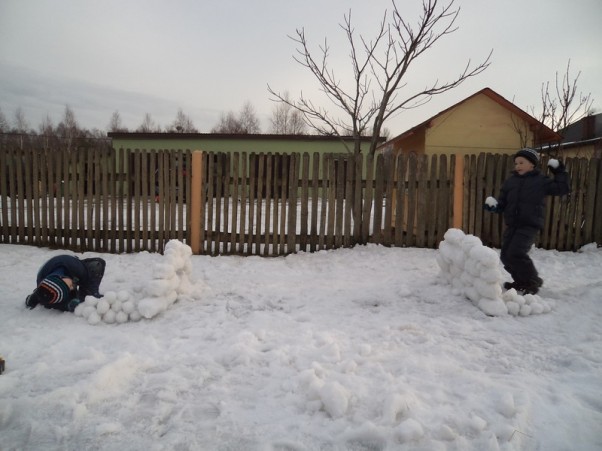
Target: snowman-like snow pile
pixel 170 280
pixel 473 270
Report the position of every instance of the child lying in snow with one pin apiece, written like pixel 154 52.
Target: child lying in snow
pixel 64 281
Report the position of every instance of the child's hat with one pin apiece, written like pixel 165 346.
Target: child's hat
pixel 529 154
pixel 51 290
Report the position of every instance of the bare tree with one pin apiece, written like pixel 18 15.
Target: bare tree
pixel 182 124
pixel 379 67
pixel 47 132
pixel 245 123
pixel 21 124
pixel 148 125
pixel 116 124
pixel 4 127
pixel 563 106
pixel 287 120
pixel 68 128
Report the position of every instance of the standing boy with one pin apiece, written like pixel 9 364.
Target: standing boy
pixel 522 202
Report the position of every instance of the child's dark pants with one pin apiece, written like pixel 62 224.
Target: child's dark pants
pixel 516 243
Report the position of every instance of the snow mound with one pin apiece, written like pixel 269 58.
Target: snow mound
pixel 473 270
pixel 170 279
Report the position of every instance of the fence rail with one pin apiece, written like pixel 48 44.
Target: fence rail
pixel 104 200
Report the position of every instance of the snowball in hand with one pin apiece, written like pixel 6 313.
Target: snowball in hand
pixel 491 201
pixel 553 163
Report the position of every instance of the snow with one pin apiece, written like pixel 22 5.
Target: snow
pixel 369 348
pixel 473 270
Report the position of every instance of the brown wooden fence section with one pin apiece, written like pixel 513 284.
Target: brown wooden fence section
pixel 105 200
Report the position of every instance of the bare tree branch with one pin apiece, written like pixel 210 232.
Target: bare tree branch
pixel 379 70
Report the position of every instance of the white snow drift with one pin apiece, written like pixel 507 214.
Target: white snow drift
pixel 474 271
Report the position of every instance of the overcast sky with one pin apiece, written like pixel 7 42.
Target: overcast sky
pixel 210 57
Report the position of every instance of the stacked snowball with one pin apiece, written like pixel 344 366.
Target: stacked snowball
pixel 170 280
pixel 473 270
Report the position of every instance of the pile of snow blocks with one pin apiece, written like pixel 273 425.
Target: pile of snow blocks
pixel 474 271
pixel 170 279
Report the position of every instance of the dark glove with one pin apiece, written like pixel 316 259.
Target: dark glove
pixel 31 302
pixel 556 166
pixel 73 303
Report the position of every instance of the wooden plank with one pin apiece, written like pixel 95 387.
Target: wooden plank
pixel 243 204
pixel 227 161
pixel 252 198
pixel 235 174
pixel 389 172
pixel 286 160
pixel 20 198
pixel 323 202
pixel 4 194
pixel 293 183
pixel 596 213
pixel 173 195
pixel 432 208
pixel 358 166
pixel 330 230
pixel 28 180
pixel 276 209
pixel 219 201
pixel 421 197
pixel 400 196
pixel 339 189
pixel 209 211
pixel 304 200
pixel 379 182
pixel 590 202
pixel 44 194
pixel 348 200
pixel 411 200
pixel 444 199
pixel 579 205
pixel 260 195
pixel 368 199
pixel 269 187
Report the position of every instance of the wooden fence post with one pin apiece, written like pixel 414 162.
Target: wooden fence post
pixel 196 213
pixel 458 206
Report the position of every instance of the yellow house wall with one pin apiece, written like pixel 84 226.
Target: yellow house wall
pixel 476 125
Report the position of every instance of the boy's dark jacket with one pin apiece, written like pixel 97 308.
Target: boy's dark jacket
pixel 86 274
pixel 522 197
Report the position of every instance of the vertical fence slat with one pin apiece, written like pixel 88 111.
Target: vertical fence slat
pixel 276 210
pixel 304 200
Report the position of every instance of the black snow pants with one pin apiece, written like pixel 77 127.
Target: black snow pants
pixel 516 243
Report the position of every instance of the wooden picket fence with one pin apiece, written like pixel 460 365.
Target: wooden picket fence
pixel 103 200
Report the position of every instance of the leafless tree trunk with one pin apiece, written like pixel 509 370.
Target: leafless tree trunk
pixel 379 68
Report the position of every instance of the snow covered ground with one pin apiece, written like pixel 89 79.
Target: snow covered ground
pixel 355 349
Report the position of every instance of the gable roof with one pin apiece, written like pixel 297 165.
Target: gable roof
pixel 543 133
